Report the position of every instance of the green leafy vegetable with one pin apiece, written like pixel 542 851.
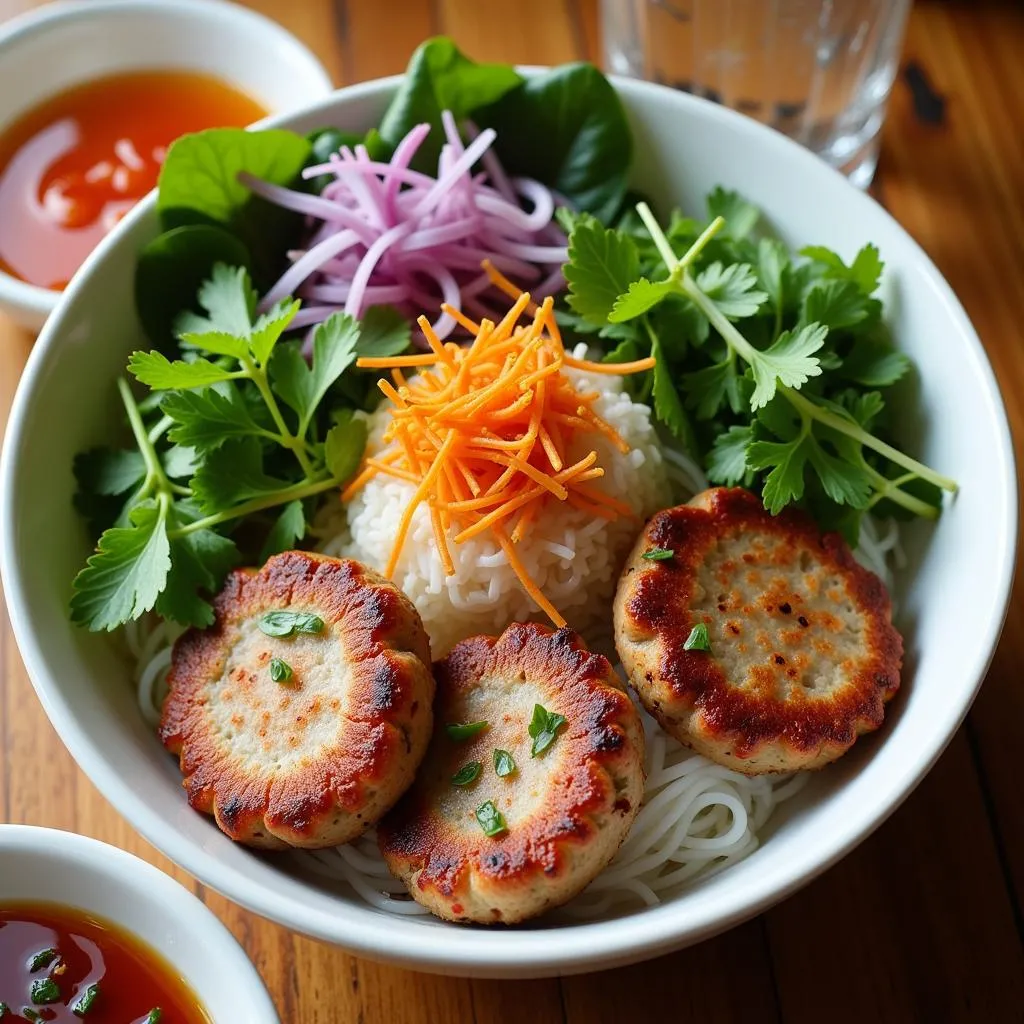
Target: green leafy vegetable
pixel 544 728
pixel 491 820
pixel 289 527
pixel 461 731
pixel 285 624
pixel 504 764
pixel 698 640
pixel 44 991
pixel 154 1015
pixel 467 774
pixel 280 671
pixel 658 554
pixel 85 1000
pixel 602 266
pixel 42 959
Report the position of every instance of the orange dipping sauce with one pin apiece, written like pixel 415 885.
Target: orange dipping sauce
pixel 67 967
pixel 73 166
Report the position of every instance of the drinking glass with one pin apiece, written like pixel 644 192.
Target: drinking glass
pixel 818 70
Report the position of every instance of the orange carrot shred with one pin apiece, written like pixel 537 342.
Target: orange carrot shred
pixel 482 432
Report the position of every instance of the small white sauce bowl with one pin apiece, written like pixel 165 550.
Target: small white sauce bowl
pixel 43 865
pixel 65 44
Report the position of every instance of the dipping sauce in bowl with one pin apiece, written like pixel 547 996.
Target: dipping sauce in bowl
pixel 60 965
pixel 71 167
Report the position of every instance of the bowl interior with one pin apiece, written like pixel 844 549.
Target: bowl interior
pixel 955 585
pixel 43 865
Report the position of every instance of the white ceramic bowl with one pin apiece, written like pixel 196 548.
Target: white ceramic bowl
pixel 63 44
pixel 47 866
pixel 952 597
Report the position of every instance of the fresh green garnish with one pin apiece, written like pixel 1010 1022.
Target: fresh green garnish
pixel 153 1016
pixel 29 1014
pixel 504 764
pixel 44 991
pixel 4 1010
pixel 85 1001
pixel 698 640
pixel 241 421
pixel 468 773
pixel 794 403
pixel 491 820
pixel 42 959
pixel 543 728
pixel 657 554
pixel 280 671
pixel 459 731
pixel 285 624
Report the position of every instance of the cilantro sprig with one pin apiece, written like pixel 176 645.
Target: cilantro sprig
pixel 236 429
pixel 794 401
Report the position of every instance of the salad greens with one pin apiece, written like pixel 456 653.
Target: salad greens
pixel 795 402
pixel 235 429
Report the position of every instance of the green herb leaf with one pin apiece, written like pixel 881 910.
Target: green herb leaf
pixel 179 461
pixel 740 216
pixel 155 370
pixel 334 351
pixel 668 406
pixel 786 460
pixel 641 296
pixel 105 471
pixel 772 263
pixel 229 300
pixel 4 1010
pixel 285 623
pixel 874 363
pixel 491 820
pixel 567 128
pixel 711 388
pixel 504 765
pixel 865 271
pixel 85 1001
pixel 42 959
pixel 658 554
pixel 835 304
pixel 698 640
pixel 199 176
pixel 289 527
pixel 461 731
pixel 268 329
pixel 789 361
pixel 29 1014
pixel 439 77
pixel 127 573
pixel 44 991
pixel 233 473
pixel 383 331
pixel 544 728
pixel 280 671
pixel 468 773
pixel 344 445
pixel 204 419
pixel 154 1015
pixel 602 265
pixel 727 459
pixel 733 289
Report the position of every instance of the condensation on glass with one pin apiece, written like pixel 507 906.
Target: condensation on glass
pixel 819 70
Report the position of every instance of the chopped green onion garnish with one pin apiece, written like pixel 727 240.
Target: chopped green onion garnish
pixel 285 624
pixel 153 1016
pixel 492 821
pixel 42 959
pixel 280 671
pixel 657 554
pixel 543 728
pixel 503 763
pixel 85 1001
pixel 460 731
pixel 467 773
pixel 44 991
pixel 698 640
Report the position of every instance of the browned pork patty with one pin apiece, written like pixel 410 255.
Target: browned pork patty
pixel 315 759
pixel 566 810
pixel 803 654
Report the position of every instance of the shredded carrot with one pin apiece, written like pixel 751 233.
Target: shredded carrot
pixel 484 432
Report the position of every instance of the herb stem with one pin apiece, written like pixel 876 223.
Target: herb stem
pixel 853 430
pixel 658 236
pixel 258 375
pixel 156 478
pixel 698 247
pixel 890 489
pixel 718 320
pixel 160 429
pixel 281 497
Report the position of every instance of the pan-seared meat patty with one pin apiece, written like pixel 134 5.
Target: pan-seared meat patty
pixel 477 840
pixel 802 653
pixel 300 716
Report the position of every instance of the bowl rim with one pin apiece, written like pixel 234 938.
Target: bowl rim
pixel 570 948
pixel 36 299
pixel 195 918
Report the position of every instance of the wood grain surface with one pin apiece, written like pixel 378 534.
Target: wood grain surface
pixel 923 922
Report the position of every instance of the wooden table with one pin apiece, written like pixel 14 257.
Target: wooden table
pixel 924 921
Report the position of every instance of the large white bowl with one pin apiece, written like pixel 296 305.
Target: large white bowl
pixel 63 44
pixel 43 865
pixel 953 597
